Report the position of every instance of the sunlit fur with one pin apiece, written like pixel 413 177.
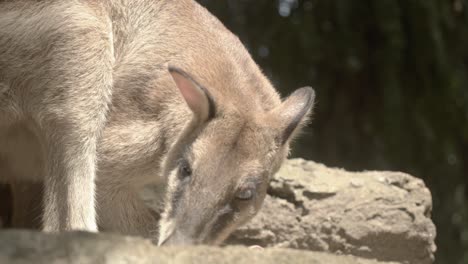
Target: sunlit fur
pixel 87 106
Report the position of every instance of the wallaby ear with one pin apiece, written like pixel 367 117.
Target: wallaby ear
pixel 294 110
pixel 195 95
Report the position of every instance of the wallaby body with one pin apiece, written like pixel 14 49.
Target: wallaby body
pixel 89 107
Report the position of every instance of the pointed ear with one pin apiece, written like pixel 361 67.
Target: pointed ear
pixel 293 112
pixel 195 95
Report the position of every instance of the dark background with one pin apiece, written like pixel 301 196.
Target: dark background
pixel 391 78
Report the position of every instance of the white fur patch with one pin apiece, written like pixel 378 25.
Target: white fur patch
pixel 166 229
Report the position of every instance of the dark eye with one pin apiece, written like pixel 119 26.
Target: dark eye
pixel 245 194
pixel 184 170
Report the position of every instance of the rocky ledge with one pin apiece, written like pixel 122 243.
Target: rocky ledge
pixel 312 214
pixel 373 214
pixel 34 247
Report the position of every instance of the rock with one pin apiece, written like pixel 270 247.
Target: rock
pixel 77 247
pixel 376 215
pixel 373 214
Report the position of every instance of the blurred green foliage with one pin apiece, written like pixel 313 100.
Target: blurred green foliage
pixel 391 78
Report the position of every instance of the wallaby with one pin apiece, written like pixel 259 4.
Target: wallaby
pixel 99 98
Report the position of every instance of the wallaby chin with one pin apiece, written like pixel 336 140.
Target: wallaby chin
pixel 119 94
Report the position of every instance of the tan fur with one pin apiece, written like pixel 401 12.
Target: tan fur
pixel 87 106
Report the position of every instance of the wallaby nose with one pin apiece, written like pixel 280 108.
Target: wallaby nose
pixel 177 239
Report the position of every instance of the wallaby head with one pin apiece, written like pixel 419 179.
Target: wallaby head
pixel 219 168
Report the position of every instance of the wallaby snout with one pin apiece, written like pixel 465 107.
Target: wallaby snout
pixel 177 239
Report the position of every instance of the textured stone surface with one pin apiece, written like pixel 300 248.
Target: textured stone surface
pixel 34 247
pixel 382 215
pixel 375 215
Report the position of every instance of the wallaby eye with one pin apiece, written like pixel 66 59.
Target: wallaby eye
pixel 184 170
pixel 245 194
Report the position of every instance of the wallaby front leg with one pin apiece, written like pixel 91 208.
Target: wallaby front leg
pixel 71 132
pixel 57 57
pixel 72 119
pixel 69 183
